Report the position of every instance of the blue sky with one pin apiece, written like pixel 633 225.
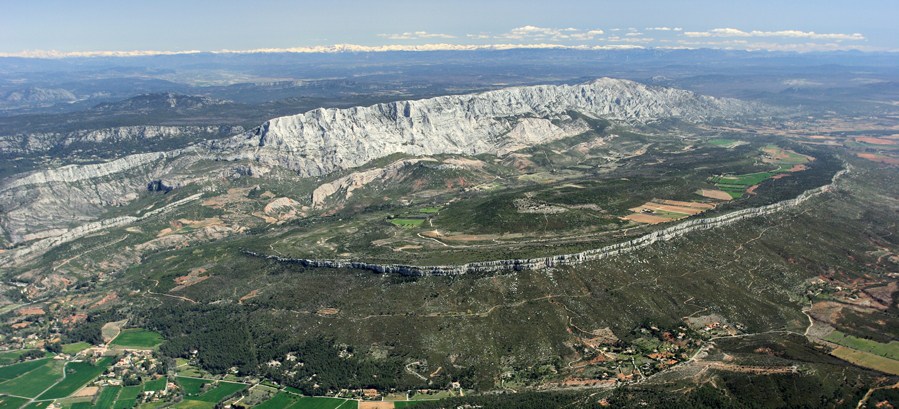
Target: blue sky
pixel 164 25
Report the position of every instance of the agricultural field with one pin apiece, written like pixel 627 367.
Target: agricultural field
pixel 12 357
pixel 786 161
pixel 408 223
pixel 11 402
pixel 137 338
pixel 221 391
pixel 107 397
pixel 867 360
pixel 306 402
pixel 661 211
pixel 280 400
pixel 75 347
pixel 156 384
pixel 31 384
pixel 887 350
pixel 77 374
pixel 192 387
pixel 14 370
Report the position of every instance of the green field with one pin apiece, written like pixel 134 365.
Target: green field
pixel 38 405
pixel 75 347
pixel 318 403
pixel 77 374
pixel 107 397
pixel 156 384
pixel 33 383
pixel 221 391
pixel 11 357
pixel 191 386
pixel 406 403
pixel 194 404
pixel 429 210
pixel 280 400
pixel 137 338
pixel 890 350
pixel 407 222
pixel 14 370
pixel 130 392
pixel 11 402
pixel 867 360
pixel 124 403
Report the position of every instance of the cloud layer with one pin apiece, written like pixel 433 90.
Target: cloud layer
pixel 531 36
pixel 733 32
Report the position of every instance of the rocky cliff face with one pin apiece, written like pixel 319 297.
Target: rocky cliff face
pixel 28 143
pixel 47 203
pixel 324 140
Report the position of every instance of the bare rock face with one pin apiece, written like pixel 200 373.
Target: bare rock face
pixel 45 203
pixel 25 143
pixel 324 140
pixel 357 180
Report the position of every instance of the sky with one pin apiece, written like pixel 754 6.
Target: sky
pixel 92 27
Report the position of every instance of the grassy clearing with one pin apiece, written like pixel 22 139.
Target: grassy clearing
pixel 34 382
pixel 317 403
pixel 137 338
pixel 107 397
pixel 124 404
pixel 191 386
pixel 156 384
pixel 38 405
pixel 130 392
pixel 77 374
pixel 193 404
pixel 280 400
pixel 867 360
pixel 406 403
pixel 221 391
pixel 12 357
pixel 75 348
pixel 890 350
pixel 407 223
pixel 429 210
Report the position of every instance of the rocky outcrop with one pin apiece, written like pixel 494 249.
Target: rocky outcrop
pixel 42 204
pixel 670 233
pixel 356 180
pixel 67 235
pixel 41 142
pixel 322 141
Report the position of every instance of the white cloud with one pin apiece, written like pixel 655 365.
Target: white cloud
pixel 663 28
pixel 733 32
pixel 634 34
pixel 415 35
pixel 546 33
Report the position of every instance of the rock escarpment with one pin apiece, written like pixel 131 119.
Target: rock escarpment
pixel 42 142
pixel 493 266
pixel 321 141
